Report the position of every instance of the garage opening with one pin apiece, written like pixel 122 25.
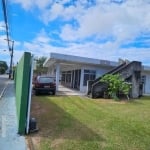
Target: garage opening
pixel 71 79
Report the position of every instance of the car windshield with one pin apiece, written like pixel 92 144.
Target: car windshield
pixel 46 80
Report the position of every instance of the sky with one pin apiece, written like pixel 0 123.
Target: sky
pixel 101 29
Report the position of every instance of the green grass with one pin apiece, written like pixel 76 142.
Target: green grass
pixel 79 123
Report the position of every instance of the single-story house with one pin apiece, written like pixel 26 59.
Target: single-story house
pixel 74 71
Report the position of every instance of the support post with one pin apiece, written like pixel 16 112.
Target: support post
pixel 81 80
pixel 57 75
pixel 11 60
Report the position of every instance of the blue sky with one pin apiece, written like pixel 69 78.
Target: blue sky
pixel 103 29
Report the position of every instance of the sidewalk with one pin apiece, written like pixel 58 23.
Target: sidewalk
pixel 9 139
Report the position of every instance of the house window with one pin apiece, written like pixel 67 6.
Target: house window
pixel 143 79
pixel 89 75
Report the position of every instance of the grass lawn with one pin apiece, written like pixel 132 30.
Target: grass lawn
pixel 80 123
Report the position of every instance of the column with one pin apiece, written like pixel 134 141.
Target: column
pixel 81 80
pixel 57 75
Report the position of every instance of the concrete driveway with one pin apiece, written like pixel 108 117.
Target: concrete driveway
pixel 62 90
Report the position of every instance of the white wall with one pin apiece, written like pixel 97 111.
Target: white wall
pixel 147 84
pixel 99 72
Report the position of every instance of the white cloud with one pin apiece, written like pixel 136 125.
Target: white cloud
pixel 4 52
pixel 2 26
pixel 68 33
pixel 42 4
pixel 52 13
pixel 17 55
pixel 28 4
pixel 107 51
pixel 124 22
pixel 42 37
pixel 3 43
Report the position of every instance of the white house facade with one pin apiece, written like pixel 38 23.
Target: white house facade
pixel 74 71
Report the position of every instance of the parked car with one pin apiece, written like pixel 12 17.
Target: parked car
pixel 44 84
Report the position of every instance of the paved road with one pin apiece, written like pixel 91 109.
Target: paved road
pixel 3 82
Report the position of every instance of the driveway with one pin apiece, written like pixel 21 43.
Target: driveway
pixel 62 90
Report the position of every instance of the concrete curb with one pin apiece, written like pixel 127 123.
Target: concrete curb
pixel 3 91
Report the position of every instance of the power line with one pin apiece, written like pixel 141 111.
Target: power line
pixel 10 47
pixel 6 23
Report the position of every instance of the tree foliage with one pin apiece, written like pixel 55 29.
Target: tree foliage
pixel 116 84
pixel 3 67
pixel 39 66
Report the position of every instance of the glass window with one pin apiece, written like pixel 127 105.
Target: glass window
pixel 89 75
pixel 46 80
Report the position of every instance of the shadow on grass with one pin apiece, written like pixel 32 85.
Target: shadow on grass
pixel 136 102
pixel 55 123
pixel 139 101
pixel 145 98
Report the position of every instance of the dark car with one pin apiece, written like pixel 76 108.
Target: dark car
pixel 44 84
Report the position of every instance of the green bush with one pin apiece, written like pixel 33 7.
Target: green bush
pixel 116 84
pixel 2 70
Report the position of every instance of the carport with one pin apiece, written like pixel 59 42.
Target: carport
pixel 66 70
pixel 74 71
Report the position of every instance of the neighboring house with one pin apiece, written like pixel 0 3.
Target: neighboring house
pixel 75 71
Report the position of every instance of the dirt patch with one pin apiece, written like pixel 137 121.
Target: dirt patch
pixel 29 147
pixel 36 108
pixel 36 141
pixel 57 142
pixel 112 101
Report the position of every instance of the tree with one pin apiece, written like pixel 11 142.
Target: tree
pixel 39 66
pixel 116 84
pixel 3 67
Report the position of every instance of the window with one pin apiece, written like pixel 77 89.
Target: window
pixel 143 79
pixel 46 80
pixel 89 75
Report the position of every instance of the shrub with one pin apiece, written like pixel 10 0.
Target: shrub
pixel 116 84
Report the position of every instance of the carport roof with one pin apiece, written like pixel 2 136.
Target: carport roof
pixel 62 58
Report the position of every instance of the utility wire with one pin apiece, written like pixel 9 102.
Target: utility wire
pixel 6 23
